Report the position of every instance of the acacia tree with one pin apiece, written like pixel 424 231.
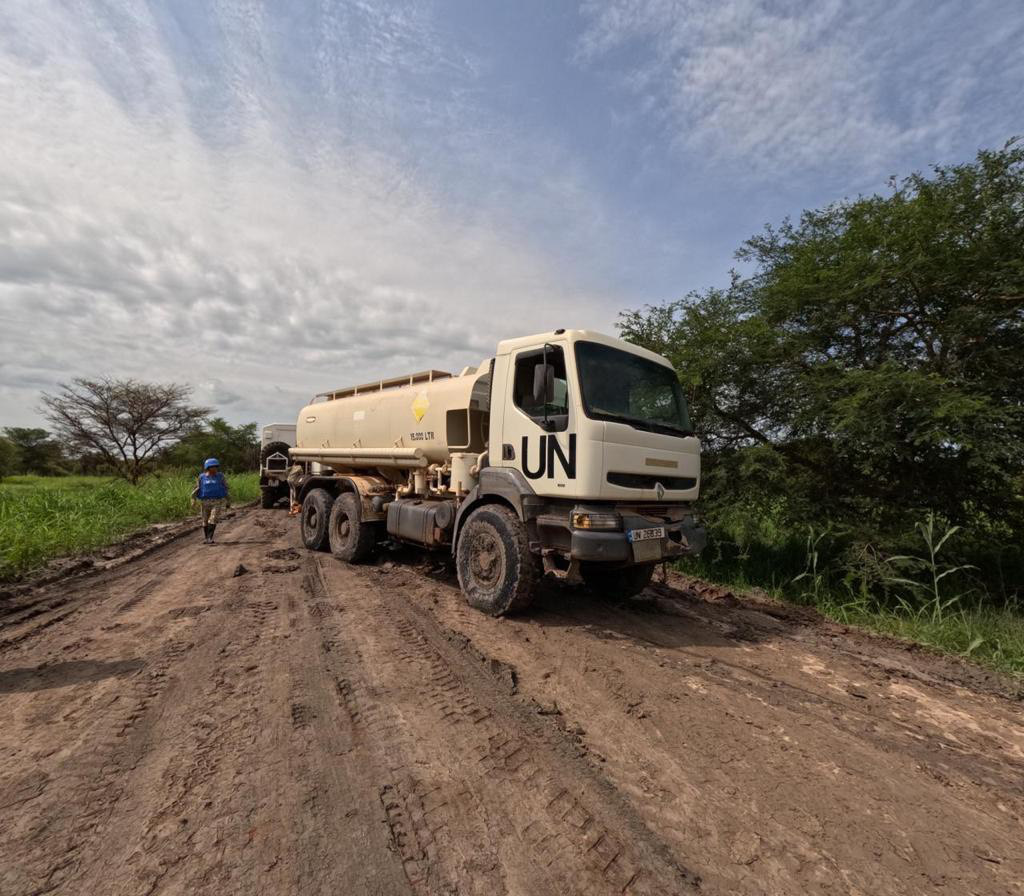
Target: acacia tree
pixel 125 422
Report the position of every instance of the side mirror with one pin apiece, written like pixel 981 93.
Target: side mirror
pixel 543 383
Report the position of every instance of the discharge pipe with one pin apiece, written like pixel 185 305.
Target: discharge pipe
pixel 403 458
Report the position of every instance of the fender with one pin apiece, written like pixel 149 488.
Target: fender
pixel 505 485
pixel 367 487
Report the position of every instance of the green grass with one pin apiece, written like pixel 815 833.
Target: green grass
pixel 967 627
pixel 46 517
pixel 993 637
pixel 933 586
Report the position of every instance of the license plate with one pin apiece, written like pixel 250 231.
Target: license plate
pixel 636 535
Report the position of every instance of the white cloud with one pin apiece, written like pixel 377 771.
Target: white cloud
pixel 790 86
pixel 171 214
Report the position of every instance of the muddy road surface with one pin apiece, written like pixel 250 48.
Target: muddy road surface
pixel 254 719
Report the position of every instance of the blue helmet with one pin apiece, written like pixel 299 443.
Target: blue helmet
pixel 210 462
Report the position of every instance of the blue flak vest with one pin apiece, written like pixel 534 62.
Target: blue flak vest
pixel 212 486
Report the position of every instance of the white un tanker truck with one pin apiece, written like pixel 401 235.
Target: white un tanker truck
pixel 569 453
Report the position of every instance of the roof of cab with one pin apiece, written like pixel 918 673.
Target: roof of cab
pixel 507 346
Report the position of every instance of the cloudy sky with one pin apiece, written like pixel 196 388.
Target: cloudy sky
pixel 264 200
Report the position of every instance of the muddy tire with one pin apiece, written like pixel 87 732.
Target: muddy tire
pixel 316 517
pixel 624 582
pixel 497 572
pixel 268 496
pixel 351 539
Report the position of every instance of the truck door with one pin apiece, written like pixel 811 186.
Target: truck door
pixel 538 435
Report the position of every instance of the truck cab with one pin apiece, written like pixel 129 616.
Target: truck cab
pixel 590 440
pixel 609 423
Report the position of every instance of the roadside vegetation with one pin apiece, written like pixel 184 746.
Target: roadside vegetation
pixel 122 455
pixel 859 393
pixel 923 596
pixel 42 517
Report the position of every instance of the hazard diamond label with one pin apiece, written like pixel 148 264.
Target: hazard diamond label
pixel 420 405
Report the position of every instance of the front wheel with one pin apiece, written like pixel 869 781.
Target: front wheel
pixel 268 496
pixel 624 582
pixel 497 572
pixel 316 515
pixel 351 539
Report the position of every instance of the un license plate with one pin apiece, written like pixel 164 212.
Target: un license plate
pixel 647 544
pixel 636 535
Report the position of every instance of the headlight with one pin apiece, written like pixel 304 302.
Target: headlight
pixel 589 519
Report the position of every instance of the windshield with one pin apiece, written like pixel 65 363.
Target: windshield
pixel 619 386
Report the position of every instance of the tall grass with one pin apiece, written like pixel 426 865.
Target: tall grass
pixel 46 517
pixel 993 636
pixel 922 593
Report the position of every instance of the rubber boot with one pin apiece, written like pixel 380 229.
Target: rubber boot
pixel 211 532
pixel 206 533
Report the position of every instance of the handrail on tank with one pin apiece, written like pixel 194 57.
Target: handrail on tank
pixel 396 382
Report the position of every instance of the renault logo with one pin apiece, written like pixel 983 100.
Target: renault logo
pixel 659 490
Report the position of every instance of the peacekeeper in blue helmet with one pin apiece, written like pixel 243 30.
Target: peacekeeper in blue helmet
pixel 212 493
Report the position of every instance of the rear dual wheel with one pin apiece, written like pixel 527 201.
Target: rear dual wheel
pixel 316 517
pixel 336 525
pixel 350 538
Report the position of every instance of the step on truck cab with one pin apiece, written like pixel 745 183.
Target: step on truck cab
pixel 569 453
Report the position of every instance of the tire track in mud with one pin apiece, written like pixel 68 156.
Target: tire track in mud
pixel 482 795
pixel 989 768
pixel 835 709
pixel 182 825
pixel 339 826
pixel 314 728
pixel 424 823
pixel 72 806
pixel 58 603
pixel 83 786
pixel 764 775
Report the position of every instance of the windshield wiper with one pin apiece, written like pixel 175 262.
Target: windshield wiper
pixel 648 425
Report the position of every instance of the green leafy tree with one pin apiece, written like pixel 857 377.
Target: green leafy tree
pixel 236 447
pixel 867 370
pixel 35 451
pixel 8 458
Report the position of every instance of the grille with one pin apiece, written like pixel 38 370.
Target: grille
pixel 641 480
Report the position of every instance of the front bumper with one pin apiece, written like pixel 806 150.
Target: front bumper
pixel 683 538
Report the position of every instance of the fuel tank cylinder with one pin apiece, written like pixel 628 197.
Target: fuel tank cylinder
pixel 410 421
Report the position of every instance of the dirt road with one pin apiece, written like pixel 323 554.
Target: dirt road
pixel 306 727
